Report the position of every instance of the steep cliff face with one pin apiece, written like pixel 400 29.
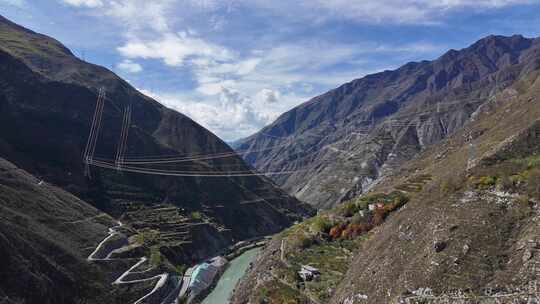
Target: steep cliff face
pixel 47 101
pixel 460 220
pixel 351 136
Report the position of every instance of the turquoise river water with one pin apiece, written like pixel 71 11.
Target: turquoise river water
pixel 227 282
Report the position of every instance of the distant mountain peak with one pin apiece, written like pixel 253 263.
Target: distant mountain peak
pixel 396 113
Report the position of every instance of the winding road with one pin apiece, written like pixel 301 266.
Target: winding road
pixel 114 241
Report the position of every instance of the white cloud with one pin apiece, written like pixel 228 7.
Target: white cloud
pixel 236 89
pixel 87 3
pixel 381 11
pixel 418 47
pixel 231 116
pixel 129 66
pixel 140 15
pixel 236 96
pixel 174 49
pixel 268 96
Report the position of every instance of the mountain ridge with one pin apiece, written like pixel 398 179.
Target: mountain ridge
pixel 459 218
pixel 430 98
pixel 47 101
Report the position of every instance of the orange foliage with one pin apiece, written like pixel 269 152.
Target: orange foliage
pixel 351 230
pixel 335 232
pixel 378 216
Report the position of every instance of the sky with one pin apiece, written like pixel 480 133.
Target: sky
pixel 235 65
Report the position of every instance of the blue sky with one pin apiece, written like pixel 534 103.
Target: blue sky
pixel 235 65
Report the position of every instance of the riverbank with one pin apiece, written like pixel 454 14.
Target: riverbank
pixel 204 278
pixel 227 282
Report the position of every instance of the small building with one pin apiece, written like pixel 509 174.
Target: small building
pixel 308 273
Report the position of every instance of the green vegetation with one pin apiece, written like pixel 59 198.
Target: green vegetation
pixel 155 255
pixel 195 215
pixel 353 207
pixel 327 242
pixel 279 293
pixel 146 236
pixel 533 183
pixel 514 175
pixel 181 268
pixel 320 224
pixel 530 162
pixel 17 44
pixel 484 182
pixel 331 258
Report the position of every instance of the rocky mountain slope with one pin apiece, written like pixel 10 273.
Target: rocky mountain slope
pixel 351 136
pixel 45 236
pixel 459 223
pixel 47 101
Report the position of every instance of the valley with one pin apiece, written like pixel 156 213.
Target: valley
pixel 419 184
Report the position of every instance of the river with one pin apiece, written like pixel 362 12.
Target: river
pixel 227 282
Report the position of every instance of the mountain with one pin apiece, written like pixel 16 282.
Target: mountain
pixel 45 237
pixel 458 223
pixel 47 102
pixel 347 139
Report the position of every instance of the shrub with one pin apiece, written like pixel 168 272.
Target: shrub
pixel 348 209
pixel 365 227
pixel 378 217
pixel 362 204
pixel 321 224
pixel 146 236
pixel 400 199
pixel 155 255
pixel 533 183
pixel 196 215
pixel 517 179
pixel 533 162
pixel 181 268
pixel 337 231
pixel 354 230
pixel 484 182
pixel 305 241
pixel 357 219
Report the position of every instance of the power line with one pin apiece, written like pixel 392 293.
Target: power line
pixel 107 165
pixel 98 128
pixel 122 141
pixel 123 164
pixel 94 132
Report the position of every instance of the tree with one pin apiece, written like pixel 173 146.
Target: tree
pixel 378 216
